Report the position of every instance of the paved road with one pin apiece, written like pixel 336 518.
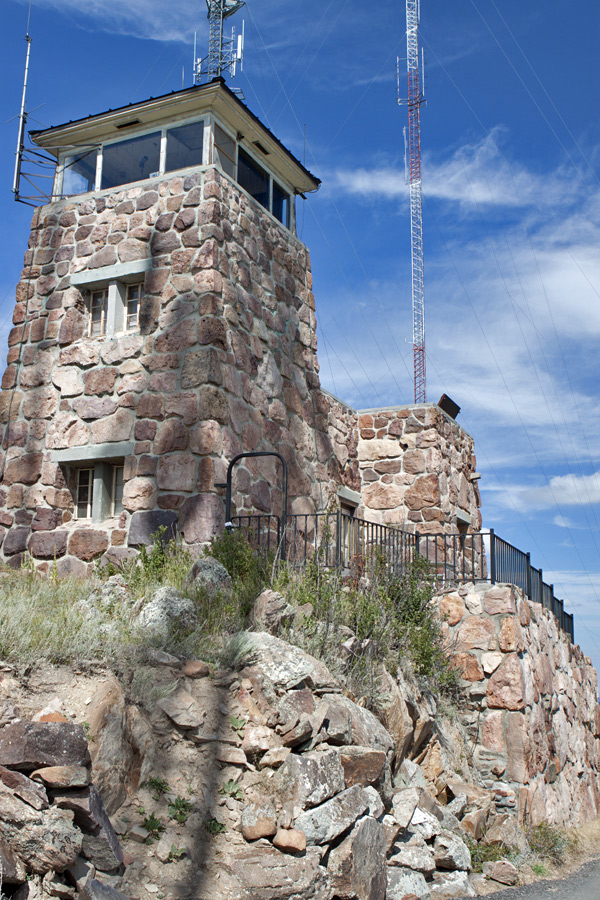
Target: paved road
pixel 583 885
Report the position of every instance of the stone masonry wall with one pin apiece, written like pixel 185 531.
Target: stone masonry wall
pixel 417 468
pixel 533 713
pixel 224 361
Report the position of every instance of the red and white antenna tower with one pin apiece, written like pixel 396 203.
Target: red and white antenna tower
pixel 415 100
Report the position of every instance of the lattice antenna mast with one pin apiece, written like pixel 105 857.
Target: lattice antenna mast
pixel 223 54
pixel 415 100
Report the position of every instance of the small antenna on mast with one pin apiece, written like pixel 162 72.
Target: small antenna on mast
pixel 223 54
pixel 24 154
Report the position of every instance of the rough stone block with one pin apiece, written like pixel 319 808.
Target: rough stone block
pixel 144 525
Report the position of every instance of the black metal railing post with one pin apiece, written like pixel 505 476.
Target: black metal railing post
pixel 492 557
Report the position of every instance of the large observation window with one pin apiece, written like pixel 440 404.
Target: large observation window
pixel 131 160
pixel 169 149
pixel 224 153
pixel 185 146
pixel 253 179
pixel 79 175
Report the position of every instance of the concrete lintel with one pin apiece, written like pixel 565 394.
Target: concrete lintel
pixel 463 517
pixel 127 271
pixel 345 493
pixel 93 453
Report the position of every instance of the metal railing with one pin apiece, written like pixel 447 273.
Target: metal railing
pixel 339 540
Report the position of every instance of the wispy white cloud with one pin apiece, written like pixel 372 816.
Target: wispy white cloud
pixel 563 490
pixel 152 19
pixel 477 174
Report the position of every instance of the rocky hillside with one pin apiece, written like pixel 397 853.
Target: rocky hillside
pixel 263 778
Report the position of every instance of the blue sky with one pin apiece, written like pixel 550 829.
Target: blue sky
pixel 511 156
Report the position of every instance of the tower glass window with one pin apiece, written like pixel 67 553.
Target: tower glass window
pixel 79 172
pixel 131 160
pixel 253 179
pixel 185 146
pixel 224 152
pixel 281 205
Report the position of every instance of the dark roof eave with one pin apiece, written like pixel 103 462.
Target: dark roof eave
pixel 200 87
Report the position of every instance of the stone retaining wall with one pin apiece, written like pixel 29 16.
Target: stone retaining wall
pixel 533 713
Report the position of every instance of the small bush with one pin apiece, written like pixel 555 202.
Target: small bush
pixel 482 853
pixel 250 571
pixel 548 842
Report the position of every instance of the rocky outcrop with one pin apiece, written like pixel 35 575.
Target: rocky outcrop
pixel 53 822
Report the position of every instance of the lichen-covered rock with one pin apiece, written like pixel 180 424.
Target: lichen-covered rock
pixel 31 745
pixel 167 610
pixel 328 821
pixel 209 576
pixel 357 866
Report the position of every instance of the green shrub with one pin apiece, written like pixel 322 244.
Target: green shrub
pixel 250 571
pixel 548 842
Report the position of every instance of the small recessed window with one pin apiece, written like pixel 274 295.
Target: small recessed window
pixel 79 173
pixel 85 491
pixel 184 146
pixel 98 312
pixel 224 152
pixel 132 315
pixel 253 179
pixel 117 491
pixel 131 160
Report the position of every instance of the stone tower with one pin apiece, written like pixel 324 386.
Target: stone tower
pixel 165 323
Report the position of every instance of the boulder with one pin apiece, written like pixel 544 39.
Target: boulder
pixel 357 866
pixel 25 788
pixel 308 779
pixel 331 819
pixel 11 866
pixel 167 610
pixel 362 765
pixel 182 709
pixel 210 577
pixel 261 872
pixel 41 839
pixel 283 665
pixel 366 729
pixel 448 885
pixel 412 856
pixel 270 612
pixel 403 882
pixel 32 745
pixel 451 852
pixel 259 820
pixel 95 890
pixel 501 871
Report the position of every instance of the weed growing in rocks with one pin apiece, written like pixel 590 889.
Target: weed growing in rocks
pixel 154 826
pixel 250 571
pixel 548 843
pixel 158 785
pixel 179 809
pixel 392 617
pixel 214 827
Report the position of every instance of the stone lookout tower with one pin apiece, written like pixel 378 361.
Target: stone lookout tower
pixel 164 323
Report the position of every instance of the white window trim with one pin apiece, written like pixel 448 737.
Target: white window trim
pixel 162 130
pixel 103 488
pixel 208 159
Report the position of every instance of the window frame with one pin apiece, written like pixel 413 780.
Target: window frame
pixel 79 488
pixel 115 315
pixel 104 488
